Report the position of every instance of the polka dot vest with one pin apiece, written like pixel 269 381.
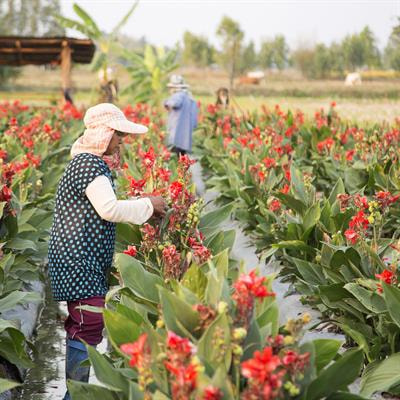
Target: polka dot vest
pixel 81 244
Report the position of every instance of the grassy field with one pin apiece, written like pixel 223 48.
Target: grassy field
pixel 372 101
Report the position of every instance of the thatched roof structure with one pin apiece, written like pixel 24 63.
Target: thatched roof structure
pixel 20 50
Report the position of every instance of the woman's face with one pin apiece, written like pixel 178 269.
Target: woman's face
pixel 115 143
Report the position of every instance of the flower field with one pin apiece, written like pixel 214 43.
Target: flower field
pixel 183 318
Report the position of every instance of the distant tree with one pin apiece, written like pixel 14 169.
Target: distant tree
pixel 248 58
pixel 360 50
pixel 281 51
pixel 30 18
pixel 337 65
pixel 321 62
pixel 274 53
pixel 392 51
pixel 372 57
pixel 266 55
pixel 303 59
pixel 196 50
pixel 231 37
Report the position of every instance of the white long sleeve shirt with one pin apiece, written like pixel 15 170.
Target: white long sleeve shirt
pixel 102 197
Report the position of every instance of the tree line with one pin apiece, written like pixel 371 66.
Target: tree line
pixel 354 51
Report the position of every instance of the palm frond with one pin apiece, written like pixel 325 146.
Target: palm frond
pixel 88 20
pixel 124 20
pixel 72 24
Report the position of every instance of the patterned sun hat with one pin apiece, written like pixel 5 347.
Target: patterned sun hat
pixel 101 121
pixel 110 115
pixel 177 81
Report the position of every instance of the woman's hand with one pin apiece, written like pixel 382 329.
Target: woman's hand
pixel 159 205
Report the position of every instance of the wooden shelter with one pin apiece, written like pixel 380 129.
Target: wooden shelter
pixel 63 51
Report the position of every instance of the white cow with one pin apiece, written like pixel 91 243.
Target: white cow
pixel 353 79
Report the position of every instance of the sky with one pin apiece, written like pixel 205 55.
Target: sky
pixel 163 22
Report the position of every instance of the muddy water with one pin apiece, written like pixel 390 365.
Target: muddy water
pixel 46 380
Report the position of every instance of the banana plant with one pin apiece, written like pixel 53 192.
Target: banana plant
pixel 107 43
pixel 149 73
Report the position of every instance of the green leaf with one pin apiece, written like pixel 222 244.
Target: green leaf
pixel 142 283
pixel 175 309
pixel 88 20
pixel 336 376
pixel 216 217
pixel 17 297
pixel 125 19
pixel 325 351
pixel 207 350
pixel 392 298
pixel 337 189
pixel 294 245
pixel 21 244
pixel 312 216
pixel 80 390
pixel 120 329
pixel 367 298
pixel 106 373
pixel 5 385
pixel 195 280
pixel 297 184
pixel 381 376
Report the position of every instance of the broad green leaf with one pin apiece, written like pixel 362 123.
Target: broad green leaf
pixel 207 349
pixel 136 278
pixel 336 376
pixel 176 310
pixel 195 280
pixel 106 373
pixel 325 351
pixel 5 385
pixel 80 390
pixel 381 376
pixel 367 298
pixel 392 298
pixel 120 329
pixel 216 217
pixel 312 216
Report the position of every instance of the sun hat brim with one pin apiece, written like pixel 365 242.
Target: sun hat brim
pixel 174 85
pixel 128 127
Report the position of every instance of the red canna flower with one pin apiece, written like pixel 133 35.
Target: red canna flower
pixel 131 251
pixel 212 393
pixel 261 365
pixel 352 236
pixel 275 205
pixel 136 350
pixel 5 194
pixel 175 190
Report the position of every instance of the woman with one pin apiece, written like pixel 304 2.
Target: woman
pixel 82 238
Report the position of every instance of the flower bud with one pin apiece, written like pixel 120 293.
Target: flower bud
pixel 160 323
pixel 222 307
pixel 239 333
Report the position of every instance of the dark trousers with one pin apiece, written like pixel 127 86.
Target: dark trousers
pixel 178 151
pixel 85 325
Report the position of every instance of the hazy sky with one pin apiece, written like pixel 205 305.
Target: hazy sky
pixel 164 21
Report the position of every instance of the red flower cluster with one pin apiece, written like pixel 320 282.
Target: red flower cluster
pixel 385 199
pixel 172 262
pixel 212 393
pixel 357 227
pixel 140 353
pixel 264 378
pixel 131 251
pixel 183 373
pixel 388 277
pixel 325 145
pixel 247 289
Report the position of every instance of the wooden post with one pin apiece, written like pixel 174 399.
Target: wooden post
pixel 66 64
